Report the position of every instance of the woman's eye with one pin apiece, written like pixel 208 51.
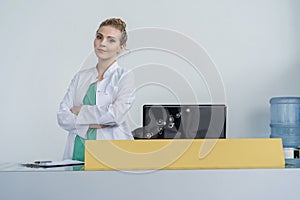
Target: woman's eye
pixel 111 40
pixel 99 37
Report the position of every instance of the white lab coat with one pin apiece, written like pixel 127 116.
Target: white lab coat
pixel 114 97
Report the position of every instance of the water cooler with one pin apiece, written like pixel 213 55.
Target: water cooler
pixel 285 124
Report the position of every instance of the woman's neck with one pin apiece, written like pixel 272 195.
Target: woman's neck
pixel 102 66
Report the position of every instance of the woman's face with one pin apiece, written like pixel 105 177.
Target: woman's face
pixel 107 43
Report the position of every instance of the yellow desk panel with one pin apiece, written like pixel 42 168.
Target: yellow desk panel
pixel 183 154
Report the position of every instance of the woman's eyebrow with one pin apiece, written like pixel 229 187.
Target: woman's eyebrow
pixel 109 36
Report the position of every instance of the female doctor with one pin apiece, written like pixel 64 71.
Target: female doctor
pixel 98 99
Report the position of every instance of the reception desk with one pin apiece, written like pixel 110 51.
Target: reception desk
pixel 246 184
pixel 273 182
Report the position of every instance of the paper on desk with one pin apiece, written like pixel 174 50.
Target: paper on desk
pixel 61 163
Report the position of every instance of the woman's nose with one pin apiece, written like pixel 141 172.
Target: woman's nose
pixel 103 42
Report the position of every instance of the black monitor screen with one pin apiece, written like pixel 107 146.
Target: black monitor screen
pixel 184 121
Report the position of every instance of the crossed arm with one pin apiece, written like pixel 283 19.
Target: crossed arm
pixel 76 109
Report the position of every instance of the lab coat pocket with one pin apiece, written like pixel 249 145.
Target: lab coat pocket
pixel 104 97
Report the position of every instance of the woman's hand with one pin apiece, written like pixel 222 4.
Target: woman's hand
pixel 97 126
pixel 76 109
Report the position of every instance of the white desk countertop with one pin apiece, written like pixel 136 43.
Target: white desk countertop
pixel 241 184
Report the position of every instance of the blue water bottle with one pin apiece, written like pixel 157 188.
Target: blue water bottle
pixel 285 124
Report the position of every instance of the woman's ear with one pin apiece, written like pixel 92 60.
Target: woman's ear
pixel 122 47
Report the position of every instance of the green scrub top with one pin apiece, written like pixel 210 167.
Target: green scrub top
pixel 89 99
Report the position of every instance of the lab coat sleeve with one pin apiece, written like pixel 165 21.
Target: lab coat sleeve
pixel 112 114
pixel 66 119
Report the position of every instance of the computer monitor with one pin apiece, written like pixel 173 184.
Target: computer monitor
pixel 183 121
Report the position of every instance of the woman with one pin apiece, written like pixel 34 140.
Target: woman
pixel 98 99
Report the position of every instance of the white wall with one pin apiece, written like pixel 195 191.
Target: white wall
pixel 254 45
